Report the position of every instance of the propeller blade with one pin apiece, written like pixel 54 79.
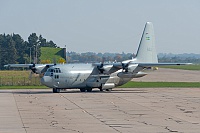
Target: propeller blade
pixel 30 75
pixel 125 66
pixel 100 67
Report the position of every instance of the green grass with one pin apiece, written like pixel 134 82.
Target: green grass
pixel 18 78
pixel 184 67
pixel 48 53
pixel 132 84
pixel 13 73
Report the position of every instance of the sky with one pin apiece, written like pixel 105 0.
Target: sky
pixel 112 26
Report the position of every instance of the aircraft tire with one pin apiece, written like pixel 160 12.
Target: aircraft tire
pixel 58 90
pixel 55 90
pixel 109 89
pixel 82 89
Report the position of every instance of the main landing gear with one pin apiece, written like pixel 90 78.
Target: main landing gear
pixel 56 90
pixel 84 90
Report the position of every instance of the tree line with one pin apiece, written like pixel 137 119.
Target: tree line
pixel 13 49
pixel 91 57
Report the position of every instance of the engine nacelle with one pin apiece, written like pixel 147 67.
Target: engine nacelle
pixel 108 86
pixel 139 74
pixel 131 75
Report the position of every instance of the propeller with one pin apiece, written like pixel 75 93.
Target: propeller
pixel 33 70
pixel 100 67
pixel 32 67
pixel 125 66
pixel 30 75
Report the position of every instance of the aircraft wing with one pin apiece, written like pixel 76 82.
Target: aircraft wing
pixel 36 68
pixel 137 67
pixel 113 67
pixel 27 65
pixel 18 65
pixel 108 68
pixel 161 64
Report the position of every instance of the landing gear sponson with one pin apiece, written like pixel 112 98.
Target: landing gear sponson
pixel 57 90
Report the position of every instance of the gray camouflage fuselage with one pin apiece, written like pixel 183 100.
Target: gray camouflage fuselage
pixel 83 76
pixel 105 75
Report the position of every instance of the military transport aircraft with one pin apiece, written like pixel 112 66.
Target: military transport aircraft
pixel 104 76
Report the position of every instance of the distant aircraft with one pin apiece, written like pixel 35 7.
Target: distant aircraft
pixel 104 76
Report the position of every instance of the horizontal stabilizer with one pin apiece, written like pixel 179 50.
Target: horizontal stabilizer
pixel 161 64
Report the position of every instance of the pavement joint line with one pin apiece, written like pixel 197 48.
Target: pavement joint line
pixel 153 109
pixel 143 122
pixel 90 113
pixel 132 112
pixel 19 112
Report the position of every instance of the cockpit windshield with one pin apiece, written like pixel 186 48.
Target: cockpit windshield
pixel 50 71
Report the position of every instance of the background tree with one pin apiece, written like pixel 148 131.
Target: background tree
pixel 51 44
pixel 33 42
pixel 13 49
pixel 21 47
pixel 42 41
pixel 9 53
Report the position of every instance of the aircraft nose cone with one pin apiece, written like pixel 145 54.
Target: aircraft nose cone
pixel 46 80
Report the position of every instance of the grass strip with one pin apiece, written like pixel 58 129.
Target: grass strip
pixel 133 84
pixel 184 67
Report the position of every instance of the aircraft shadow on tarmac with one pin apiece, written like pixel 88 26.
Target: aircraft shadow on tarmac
pixel 48 91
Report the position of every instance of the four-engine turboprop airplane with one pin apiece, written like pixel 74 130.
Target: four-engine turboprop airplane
pixel 105 76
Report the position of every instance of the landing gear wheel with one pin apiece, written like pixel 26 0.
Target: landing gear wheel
pixel 100 88
pixel 89 89
pixel 55 90
pixel 109 89
pixel 82 89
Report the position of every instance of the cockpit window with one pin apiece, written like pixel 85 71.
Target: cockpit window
pixel 57 70
pixel 50 71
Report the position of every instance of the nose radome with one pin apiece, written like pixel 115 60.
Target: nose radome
pixel 46 80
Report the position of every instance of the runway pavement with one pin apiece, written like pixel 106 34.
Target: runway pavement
pixel 170 75
pixel 134 110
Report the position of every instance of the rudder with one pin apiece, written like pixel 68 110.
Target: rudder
pixel 146 52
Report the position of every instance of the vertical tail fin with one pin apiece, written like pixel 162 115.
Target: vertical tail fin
pixel 147 52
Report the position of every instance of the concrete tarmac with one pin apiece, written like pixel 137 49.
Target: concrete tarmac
pixel 170 75
pixel 134 110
